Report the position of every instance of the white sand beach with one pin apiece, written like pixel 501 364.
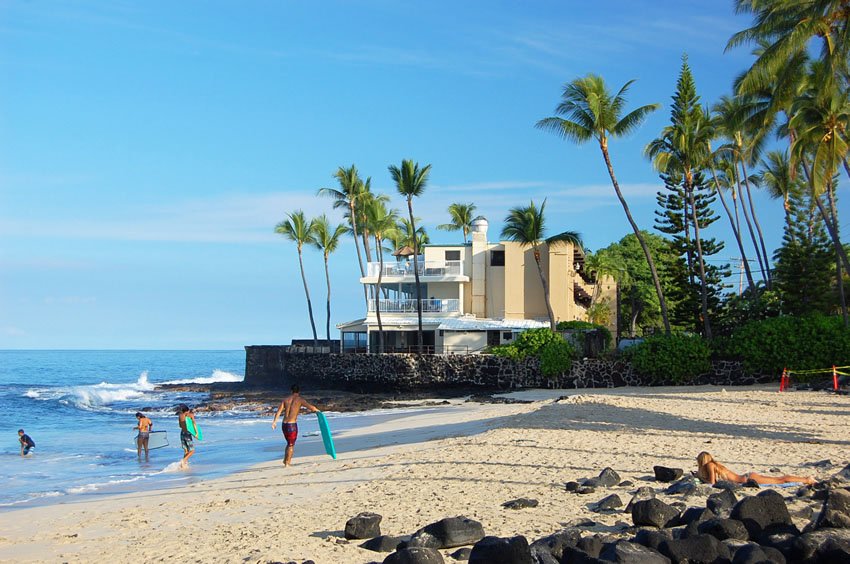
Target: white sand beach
pixel 496 453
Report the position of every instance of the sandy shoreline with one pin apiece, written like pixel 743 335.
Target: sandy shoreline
pixel 269 513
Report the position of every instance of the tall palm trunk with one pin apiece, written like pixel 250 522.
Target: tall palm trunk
pixel 831 228
pixel 603 145
pixel 758 225
pixel 703 285
pixel 545 285
pixel 353 213
pixel 328 322
pixel 749 225
pixel 419 339
pixel 735 232
pixel 686 221
pixel 831 194
pixel 378 295
pixel 309 302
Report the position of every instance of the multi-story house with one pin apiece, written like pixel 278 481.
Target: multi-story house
pixel 473 296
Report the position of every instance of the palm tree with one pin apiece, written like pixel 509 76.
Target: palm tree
pixel 743 146
pixel 381 224
pixel 298 229
pixel 781 182
pixel 684 149
pixel 593 113
pixel 726 181
pixel 410 181
pixel 461 219
pixel 785 28
pixel 348 195
pixel 526 225
pixel 821 118
pixel 327 240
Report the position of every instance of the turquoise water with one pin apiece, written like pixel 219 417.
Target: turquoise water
pixel 78 406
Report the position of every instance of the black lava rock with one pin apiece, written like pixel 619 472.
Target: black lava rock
pixel 608 503
pixel 512 550
pixel 383 543
pixel 836 510
pixel 664 474
pixel 556 542
pixel 727 485
pixel 453 531
pixel 363 526
pixel 721 502
pixel 520 503
pixel 652 538
pixel 700 549
pixel 762 513
pixel 641 494
pixel 723 529
pixel 415 555
pixel 654 513
pixel 584 490
pixel 627 552
pixel 572 486
pixel 461 553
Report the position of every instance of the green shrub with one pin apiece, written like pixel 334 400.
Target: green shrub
pixel 676 358
pixel 586 326
pixel 798 343
pixel 555 354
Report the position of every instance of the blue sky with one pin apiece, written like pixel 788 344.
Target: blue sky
pixel 147 149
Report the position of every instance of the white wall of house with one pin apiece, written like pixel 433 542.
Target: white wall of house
pixel 455 341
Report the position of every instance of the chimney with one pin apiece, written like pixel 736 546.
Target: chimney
pixel 479 266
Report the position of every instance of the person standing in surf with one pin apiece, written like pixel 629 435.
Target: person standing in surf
pixel 186 438
pixel 291 407
pixel 27 444
pixel 144 428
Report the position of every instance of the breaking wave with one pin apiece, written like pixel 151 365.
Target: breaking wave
pixel 217 376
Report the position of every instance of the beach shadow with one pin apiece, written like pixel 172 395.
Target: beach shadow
pixel 610 418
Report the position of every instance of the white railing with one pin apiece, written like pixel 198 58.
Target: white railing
pixel 409 306
pixel 430 268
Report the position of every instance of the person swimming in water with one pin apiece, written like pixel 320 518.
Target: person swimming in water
pixel 183 413
pixel 710 470
pixel 292 406
pixel 144 427
pixel 27 444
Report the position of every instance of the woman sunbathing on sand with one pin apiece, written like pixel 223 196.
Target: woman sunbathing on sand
pixel 709 470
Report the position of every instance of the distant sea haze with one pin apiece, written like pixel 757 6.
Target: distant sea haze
pixel 79 406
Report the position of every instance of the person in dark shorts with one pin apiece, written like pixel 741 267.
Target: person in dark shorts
pixel 291 407
pixel 27 444
pixel 183 413
pixel 144 427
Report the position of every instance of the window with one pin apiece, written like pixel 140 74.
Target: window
pixel 452 255
pixel 497 258
pixel 507 336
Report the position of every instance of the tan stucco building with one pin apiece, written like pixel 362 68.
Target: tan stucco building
pixel 474 295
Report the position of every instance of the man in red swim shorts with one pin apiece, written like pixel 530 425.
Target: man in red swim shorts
pixel 291 407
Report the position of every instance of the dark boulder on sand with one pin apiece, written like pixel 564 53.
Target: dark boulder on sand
pixel 821 546
pixel 383 543
pixel 836 510
pixel 608 503
pixel 641 494
pixel 762 513
pixel 606 479
pixel 461 553
pixel 664 474
pixel 451 532
pixel 555 543
pixel 721 502
pixel 654 513
pixel 626 552
pixel 415 555
pixel 723 529
pixel 521 503
pixel 699 549
pixel 363 526
pixel 511 550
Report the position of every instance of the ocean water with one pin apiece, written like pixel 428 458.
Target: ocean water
pixel 79 406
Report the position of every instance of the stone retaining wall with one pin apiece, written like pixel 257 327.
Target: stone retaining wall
pixel 275 366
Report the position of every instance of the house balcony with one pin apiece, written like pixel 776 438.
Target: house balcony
pixel 449 270
pixel 409 306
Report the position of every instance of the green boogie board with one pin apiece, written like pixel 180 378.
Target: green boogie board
pixel 326 434
pixel 195 430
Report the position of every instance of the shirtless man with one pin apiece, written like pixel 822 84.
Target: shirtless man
pixel 291 407
pixel 183 413
pixel 144 429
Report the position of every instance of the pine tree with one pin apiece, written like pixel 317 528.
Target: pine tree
pixel 674 219
pixel 804 264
